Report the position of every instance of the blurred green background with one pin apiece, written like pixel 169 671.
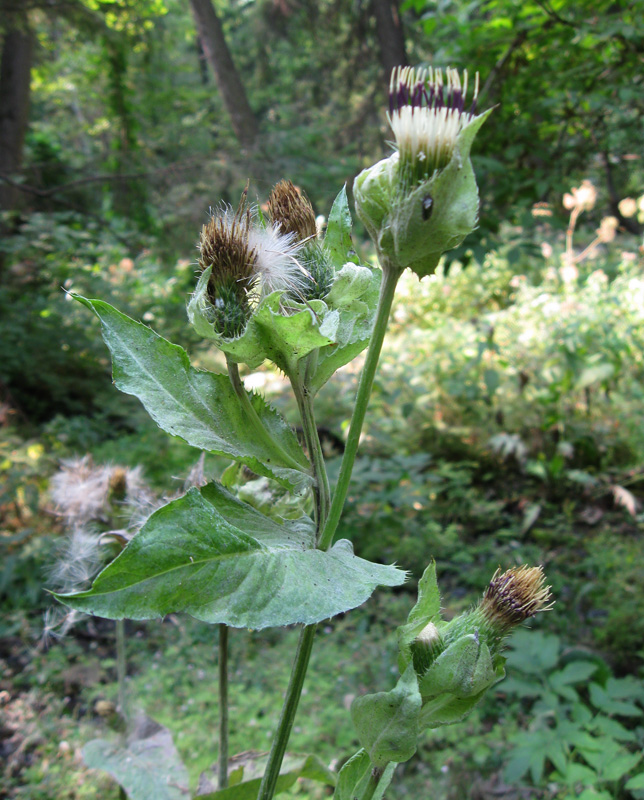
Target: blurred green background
pixel 506 421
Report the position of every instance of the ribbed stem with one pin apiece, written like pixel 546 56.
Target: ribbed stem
pixel 372 785
pixel 287 717
pixel 387 290
pixel 223 706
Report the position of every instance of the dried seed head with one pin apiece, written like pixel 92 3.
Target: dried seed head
pixel 291 210
pixel 514 596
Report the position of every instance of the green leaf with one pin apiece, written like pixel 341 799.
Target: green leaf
pixel 426 610
pixel 200 407
pixel 337 240
pixel 387 722
pixel 249 767
pixel 148 767
pixel 637 782
pixel 598 373
pixel 603 700
pixel 220 560
pixel 355 774
pixel 354 295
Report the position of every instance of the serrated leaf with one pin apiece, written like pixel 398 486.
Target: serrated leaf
pixel 148 767
pixel 251 765
pixel 337 241
pixel 387 722
pixel 355 774
pixel 199 407
pixel 219 560
pixel 602 700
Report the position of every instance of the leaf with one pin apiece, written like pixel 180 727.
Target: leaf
pixel 337 240
pixel 426 610
pixel 148 767
pixel 355 774
pixel 200 407
pixel 387 722
pixel 250 766
pixel 636 782
pixel 598 373
pixel 602 700
pixel 354 296
pixel 220 560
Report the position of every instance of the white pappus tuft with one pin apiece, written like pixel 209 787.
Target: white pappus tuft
pixel 277 261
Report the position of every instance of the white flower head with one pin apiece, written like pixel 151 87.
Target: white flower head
pixel 427 113
pixel 277 262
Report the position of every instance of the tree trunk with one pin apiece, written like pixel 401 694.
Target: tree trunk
pixel 15 78
pixel 391 36
pixel 227 78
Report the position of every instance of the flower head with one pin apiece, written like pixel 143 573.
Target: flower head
pixel 226 249
pixel 291 211
pixel 423 199
pixel 515 595
pixel 426 114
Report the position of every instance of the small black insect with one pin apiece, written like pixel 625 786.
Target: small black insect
pixel 428 207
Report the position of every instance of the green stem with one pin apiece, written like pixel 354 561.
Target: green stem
pixel 121 666
pixel 321 487
pixel 223 706
pixel 291 701
pixel 372 785
pixel 262 434
pixel 387 290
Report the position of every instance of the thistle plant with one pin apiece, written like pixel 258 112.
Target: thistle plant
pixel 273 289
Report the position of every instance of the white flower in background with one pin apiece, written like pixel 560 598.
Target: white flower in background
pixel 79 490
pixel 427 113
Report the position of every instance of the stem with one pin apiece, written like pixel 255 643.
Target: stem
pixel 321 487
pixel 390 278
pixel 121 666
pixel 291 701
pixel 258 427
pixel 374 780
pixel 223 706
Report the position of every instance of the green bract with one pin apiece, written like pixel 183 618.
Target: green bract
pixel 412 226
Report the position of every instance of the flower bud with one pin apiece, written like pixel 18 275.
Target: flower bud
pixel 227 253
pixel 456 662
pixel 292 212
pixel 423 200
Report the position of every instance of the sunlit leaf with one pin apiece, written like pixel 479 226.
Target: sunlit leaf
pixel 218 559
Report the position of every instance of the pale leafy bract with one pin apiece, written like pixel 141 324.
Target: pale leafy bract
pixel 387 722
pixel 200 407
pixel 219 560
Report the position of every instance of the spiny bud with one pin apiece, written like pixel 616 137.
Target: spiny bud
pixel 291 210
pixel 515 595
pixel 426 648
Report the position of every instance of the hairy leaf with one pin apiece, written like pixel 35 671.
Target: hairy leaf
pixel 220 560
pixel 200 407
